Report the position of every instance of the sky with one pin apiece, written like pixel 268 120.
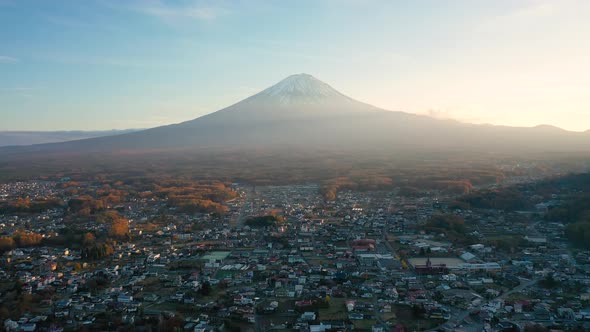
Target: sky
pixel 112 64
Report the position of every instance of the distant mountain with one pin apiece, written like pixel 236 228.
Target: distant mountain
pixel 304 112
pixel 16 138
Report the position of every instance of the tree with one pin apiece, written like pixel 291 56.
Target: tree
pixel 535 328
pixel 262 221
pixel 27 239
pixel 4 313
pixel 418 311
pixel 579 234
pixel 205 289
pixel 549 282
pixel 449 222
pixel 97 251
pixel 119 229
pixel 6 243
pixel 438 296
pixel 119 226
pixel 404 264
pixel 88 239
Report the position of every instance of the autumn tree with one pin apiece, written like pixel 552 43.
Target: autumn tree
pixel 6 243
pixel 27 239
pixel 119 229
pixel 88 239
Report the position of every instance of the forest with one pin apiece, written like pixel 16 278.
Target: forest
pixel 569 196
pixel 100 199
pixel 575 213
pixel 200 182
pixel 263 221
pixel 336 169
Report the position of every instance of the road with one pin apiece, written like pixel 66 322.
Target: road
pixel 458 317
pixel 248 202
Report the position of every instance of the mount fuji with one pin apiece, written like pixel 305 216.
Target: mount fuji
pixel 302 111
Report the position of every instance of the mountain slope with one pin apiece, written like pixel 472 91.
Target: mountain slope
pixel 16 138
pixel 305 112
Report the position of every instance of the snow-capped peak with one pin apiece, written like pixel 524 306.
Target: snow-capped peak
pixel 301 88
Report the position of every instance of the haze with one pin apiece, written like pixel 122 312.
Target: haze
pixel 92 65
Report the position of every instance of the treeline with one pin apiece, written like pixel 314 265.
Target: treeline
pixel 102 193
pixel 93 245
pixel 420 186
pixel 451 225
pixel 117 226
pixel 411 182
pixel 263 221
pixel 97 251
pixel 446 222
pixel 519 197
pixel 20 239
pixel 330 188
pixel 85 205
pixel 570 197
pixel 508 199
pixel 188 195
pixel 98 199
pixel 197 197
pixel 26 205
pixel 191 206
pixel 146 174
pixel 576 213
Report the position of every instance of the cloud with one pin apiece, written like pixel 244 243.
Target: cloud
pixel 466 115
pixel 165 12
pixel 22 92
pixel 440 114
pixel 110 61
pixel 90 23
pixel 301 49
pixel 168 12
pixel 67 22
pixel 532 12
pixel 8 59
pixel 521 17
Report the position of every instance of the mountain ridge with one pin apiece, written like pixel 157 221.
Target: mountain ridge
pixel 32 137
pixel 301 110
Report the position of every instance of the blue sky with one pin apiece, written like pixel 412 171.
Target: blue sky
pixel 108 64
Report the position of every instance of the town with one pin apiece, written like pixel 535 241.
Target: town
pixel 283 258
pixel 294 166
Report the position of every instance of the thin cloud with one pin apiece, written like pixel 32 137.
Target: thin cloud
pixel 532 12
pixel 8 59
pixel 299 49
pixel 472 115
pixel 71 23
pixel 165 11
pixel 521 16
pixel 22 92
pixel 109 61
pixel 67 22
pixel 18 89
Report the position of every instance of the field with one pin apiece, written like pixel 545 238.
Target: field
pixel 336 311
